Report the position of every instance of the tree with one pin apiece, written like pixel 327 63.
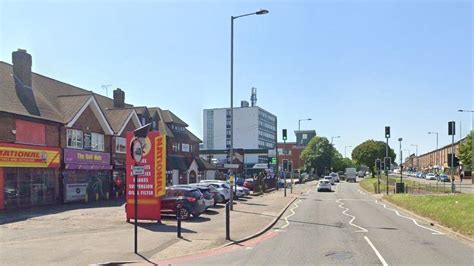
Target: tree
pixel 465 153
pixel 340 164
pixel 318 154
pixel 368 151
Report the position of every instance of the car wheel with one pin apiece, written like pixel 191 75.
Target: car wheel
pixel 183 214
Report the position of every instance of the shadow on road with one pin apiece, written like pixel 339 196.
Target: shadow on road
pixel 163 228
pixel 254 204
pixel 337 225
pixel 17 215
pixel 211 212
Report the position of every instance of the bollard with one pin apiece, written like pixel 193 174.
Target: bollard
pixel 178 219
pixel 227 221
pixel 86 199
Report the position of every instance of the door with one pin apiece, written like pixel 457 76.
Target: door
pixel 192 177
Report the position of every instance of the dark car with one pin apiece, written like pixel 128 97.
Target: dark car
pixel 249 183
pixel 191 200
pixel 443 178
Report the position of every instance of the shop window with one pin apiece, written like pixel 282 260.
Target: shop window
pixel 175 146
pixel 120 145
pixel 97 142
pixel 74 139
pixel 185 147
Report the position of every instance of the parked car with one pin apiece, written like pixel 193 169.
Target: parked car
pixel 214 192
pixel 335 176
pixel 330 179
pixel 324 185
pixel 222 186
pixel 430 176
pixel 190 198
pixel 249 183
pixel 443 178
pixel 207 195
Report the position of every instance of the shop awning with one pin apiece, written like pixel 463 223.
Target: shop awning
pixel 75 166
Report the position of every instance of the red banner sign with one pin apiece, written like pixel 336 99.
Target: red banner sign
pixel 152 183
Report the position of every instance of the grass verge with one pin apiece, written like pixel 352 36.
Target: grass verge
pixel 453 211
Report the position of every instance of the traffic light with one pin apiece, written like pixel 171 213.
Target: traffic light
pixel 387 132
pixel 451 128
pixel 377 164
pixel 284 134
pixel 455 160
pixel 387 162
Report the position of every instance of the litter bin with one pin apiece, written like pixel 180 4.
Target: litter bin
pixel 400 188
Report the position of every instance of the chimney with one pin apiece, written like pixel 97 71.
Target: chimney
pixel 119 98
pixel 22 66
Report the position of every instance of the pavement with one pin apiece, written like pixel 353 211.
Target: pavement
pixel 82 235
pixel 346 227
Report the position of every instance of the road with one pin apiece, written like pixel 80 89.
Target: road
pixel 343 227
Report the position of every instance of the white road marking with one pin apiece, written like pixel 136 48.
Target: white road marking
pixel 376 251
pixel 414 221
pixel 362 229
pixel 293 213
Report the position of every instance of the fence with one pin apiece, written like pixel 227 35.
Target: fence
pixel 422 188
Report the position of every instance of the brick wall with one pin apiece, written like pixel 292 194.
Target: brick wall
pixel 294 155
pixel 7 122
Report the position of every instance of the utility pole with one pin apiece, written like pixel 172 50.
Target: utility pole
pixel 387 136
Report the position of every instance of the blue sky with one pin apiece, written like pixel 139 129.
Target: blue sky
pixel 351 66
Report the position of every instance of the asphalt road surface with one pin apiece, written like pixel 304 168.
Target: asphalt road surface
pixel 343 227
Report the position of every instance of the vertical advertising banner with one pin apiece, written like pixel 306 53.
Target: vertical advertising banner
pixel 150 185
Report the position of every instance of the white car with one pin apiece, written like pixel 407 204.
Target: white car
pixel 221 186
pixel 430 176
pixel 335 176
pixel 324 185
pixel 330 179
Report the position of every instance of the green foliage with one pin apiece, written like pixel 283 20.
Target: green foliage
pixel 465 152
pixel 340 164
pixel 317 155
pixel 368 151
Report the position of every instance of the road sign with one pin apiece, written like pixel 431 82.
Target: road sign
pixel 137 150
pixel 231 165
pixel 138 170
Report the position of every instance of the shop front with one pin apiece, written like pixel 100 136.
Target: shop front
pixel 28 175
pixel 87 175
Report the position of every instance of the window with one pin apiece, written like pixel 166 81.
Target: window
pixel 154 125
pixel 120 145
pixel 175 146
pixel 74 138
pixel 97 142
pixel 185 147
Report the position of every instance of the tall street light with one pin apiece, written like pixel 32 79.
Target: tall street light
pixel 436 153
pixel 232 18
pixel 345 149
pixel 332 141
pixel 299 158
pixel 416 154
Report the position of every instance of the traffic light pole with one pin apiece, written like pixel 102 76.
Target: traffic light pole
pixel 386 171
pixel 284 172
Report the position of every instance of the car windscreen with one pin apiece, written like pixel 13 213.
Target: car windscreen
pixel 194 193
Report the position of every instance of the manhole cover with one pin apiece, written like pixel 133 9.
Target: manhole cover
pixel 340 255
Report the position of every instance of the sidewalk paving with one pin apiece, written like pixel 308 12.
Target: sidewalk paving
pixel 83 236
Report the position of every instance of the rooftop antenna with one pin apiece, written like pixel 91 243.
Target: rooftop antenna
pixel 105 87
pixel 253 98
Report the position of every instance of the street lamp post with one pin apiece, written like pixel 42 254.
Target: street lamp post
pixel 417 159
pixel 345 149
pixel 401 161
pixel 299 158
pixel 231 150
pixel 436 153
pixel 332 140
